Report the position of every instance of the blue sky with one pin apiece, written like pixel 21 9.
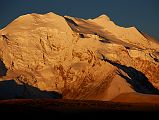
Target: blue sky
pixel 144 14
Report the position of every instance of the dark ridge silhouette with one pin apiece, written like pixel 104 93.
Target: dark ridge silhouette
pixel 9 89
pixel 136 78
pixel 64 108
pixel 3 69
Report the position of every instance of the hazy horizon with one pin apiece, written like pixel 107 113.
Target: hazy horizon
pixel 141 14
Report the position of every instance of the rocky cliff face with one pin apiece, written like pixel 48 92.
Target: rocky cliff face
pixel 77 58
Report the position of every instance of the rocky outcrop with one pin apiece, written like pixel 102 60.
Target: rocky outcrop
pixel 80 59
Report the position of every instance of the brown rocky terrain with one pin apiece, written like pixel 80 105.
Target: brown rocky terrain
pixel 52 56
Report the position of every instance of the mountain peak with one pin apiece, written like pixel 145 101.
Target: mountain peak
pixel 103 17
pixel 81 59
pixel 32 21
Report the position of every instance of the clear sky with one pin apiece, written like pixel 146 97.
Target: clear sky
pixel 144 14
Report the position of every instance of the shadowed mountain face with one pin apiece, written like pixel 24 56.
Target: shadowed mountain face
pixel 11 90
pixel 136 78
pixel 92 59
pixel 3 69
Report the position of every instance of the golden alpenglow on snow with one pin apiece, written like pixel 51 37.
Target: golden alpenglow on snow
pixel 73 58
